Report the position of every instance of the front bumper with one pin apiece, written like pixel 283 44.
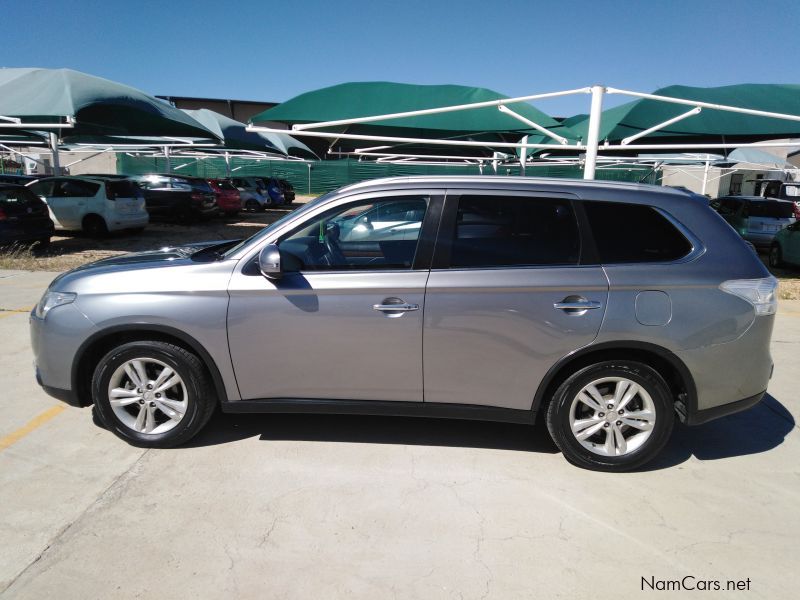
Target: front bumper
pixel 55 341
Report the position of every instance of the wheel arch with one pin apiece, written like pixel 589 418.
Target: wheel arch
pixel 666 363
pixel 93 349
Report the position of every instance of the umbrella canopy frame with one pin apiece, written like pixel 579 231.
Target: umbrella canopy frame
pixel 590 147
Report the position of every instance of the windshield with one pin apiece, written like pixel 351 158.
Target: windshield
pixel 254 239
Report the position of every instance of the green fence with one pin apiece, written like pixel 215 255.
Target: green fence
pixel 322 176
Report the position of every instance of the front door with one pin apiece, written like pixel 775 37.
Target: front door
pixel 345 320
pixel 507 298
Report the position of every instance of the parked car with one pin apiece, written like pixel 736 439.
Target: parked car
pixel 273 190
pixel 252 192
pixel 185 199
pixel 785 249
pixel 782 190
pixel 756 219
pixel 95 205
pixel 288 190
pixel 228 198
pixel 23 216
pixel 607 309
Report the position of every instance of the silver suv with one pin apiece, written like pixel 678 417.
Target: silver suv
pixel 609 309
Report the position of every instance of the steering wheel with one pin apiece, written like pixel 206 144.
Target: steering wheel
pixel 334 254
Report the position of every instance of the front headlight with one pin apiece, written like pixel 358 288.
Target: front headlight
pixel 52 299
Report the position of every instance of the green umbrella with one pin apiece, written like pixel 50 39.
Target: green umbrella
pixel 97 106
pixel 236 137
pixel 353 100
pixel 709 126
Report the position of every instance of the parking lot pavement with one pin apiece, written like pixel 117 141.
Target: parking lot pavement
pixel 293 506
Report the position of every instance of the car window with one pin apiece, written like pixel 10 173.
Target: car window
pixel 41 188
pixel 633 233
pixel 507 231
pixel 122 189
pixel 18 196
pixel 367 235
pixel 776 210
pixel 71 188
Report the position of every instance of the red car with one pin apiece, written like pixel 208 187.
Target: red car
pixel 227 195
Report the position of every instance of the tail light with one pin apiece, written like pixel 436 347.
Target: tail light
pixel 761 293
pixel 196 197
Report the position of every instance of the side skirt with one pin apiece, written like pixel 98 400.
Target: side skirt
pixel 381 408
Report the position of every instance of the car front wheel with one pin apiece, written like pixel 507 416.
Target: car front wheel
pixel 611 416
pixel 152 394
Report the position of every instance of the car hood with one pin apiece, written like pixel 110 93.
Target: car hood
pixel 170 256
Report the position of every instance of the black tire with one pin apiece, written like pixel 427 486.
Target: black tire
pixel 201 399
pixel 252 205
pixel 559 426
pixel 187 216
pixel 775 256
pixel 95 226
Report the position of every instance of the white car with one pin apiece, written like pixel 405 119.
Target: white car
pixel 95 205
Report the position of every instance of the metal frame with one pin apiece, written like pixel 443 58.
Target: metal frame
pixel 591 147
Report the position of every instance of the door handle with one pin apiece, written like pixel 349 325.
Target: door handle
pixel 404 307
pixel 578 305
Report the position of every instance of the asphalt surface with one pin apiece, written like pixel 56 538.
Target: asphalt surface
pixel 293 506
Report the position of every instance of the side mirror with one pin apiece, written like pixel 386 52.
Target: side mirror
pixel 269 262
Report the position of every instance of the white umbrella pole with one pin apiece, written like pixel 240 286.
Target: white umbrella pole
pixel 54 151
pixel 593 135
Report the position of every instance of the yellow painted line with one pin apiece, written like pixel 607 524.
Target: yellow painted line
pixel 35 423
pixel 8 312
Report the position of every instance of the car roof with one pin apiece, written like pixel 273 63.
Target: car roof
pixel 495 182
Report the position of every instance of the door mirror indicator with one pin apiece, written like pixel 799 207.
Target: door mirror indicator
pixel 269 262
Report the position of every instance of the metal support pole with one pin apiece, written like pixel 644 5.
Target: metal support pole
pixel 168 167
pixel 705 177
pixel 593 135
pixel 228 165
pixel 309 178
pixel 54 151
pixel 523 156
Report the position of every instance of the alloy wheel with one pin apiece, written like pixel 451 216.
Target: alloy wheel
pixel 148 396
pixel 612 416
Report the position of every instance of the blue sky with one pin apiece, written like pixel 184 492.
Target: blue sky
pixel 274 50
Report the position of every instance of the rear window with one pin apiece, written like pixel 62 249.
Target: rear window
pixel 506 231
pixel 225 185
pixel 122 189
pixel 775 210
pixel 17 196
pixel 634 233
pixel 201 185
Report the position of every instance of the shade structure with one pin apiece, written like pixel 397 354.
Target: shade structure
pixel 235 136
pixel 96 106
pixel 363 99
pixel 707 126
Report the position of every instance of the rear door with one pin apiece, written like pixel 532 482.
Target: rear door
pixel 508 295
pixel 769 216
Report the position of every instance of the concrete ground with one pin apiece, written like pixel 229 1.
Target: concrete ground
pixel 295 506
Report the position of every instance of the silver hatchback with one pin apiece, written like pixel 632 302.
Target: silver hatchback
pixel 608 309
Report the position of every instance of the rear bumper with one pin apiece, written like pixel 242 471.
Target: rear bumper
pixel 117 222
pixel 704 416
pixel 759 240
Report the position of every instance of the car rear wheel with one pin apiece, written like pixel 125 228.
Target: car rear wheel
pixel 611 416
pixel 775 257
pixel 95 226
pixel 152 394
pixel 252 205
